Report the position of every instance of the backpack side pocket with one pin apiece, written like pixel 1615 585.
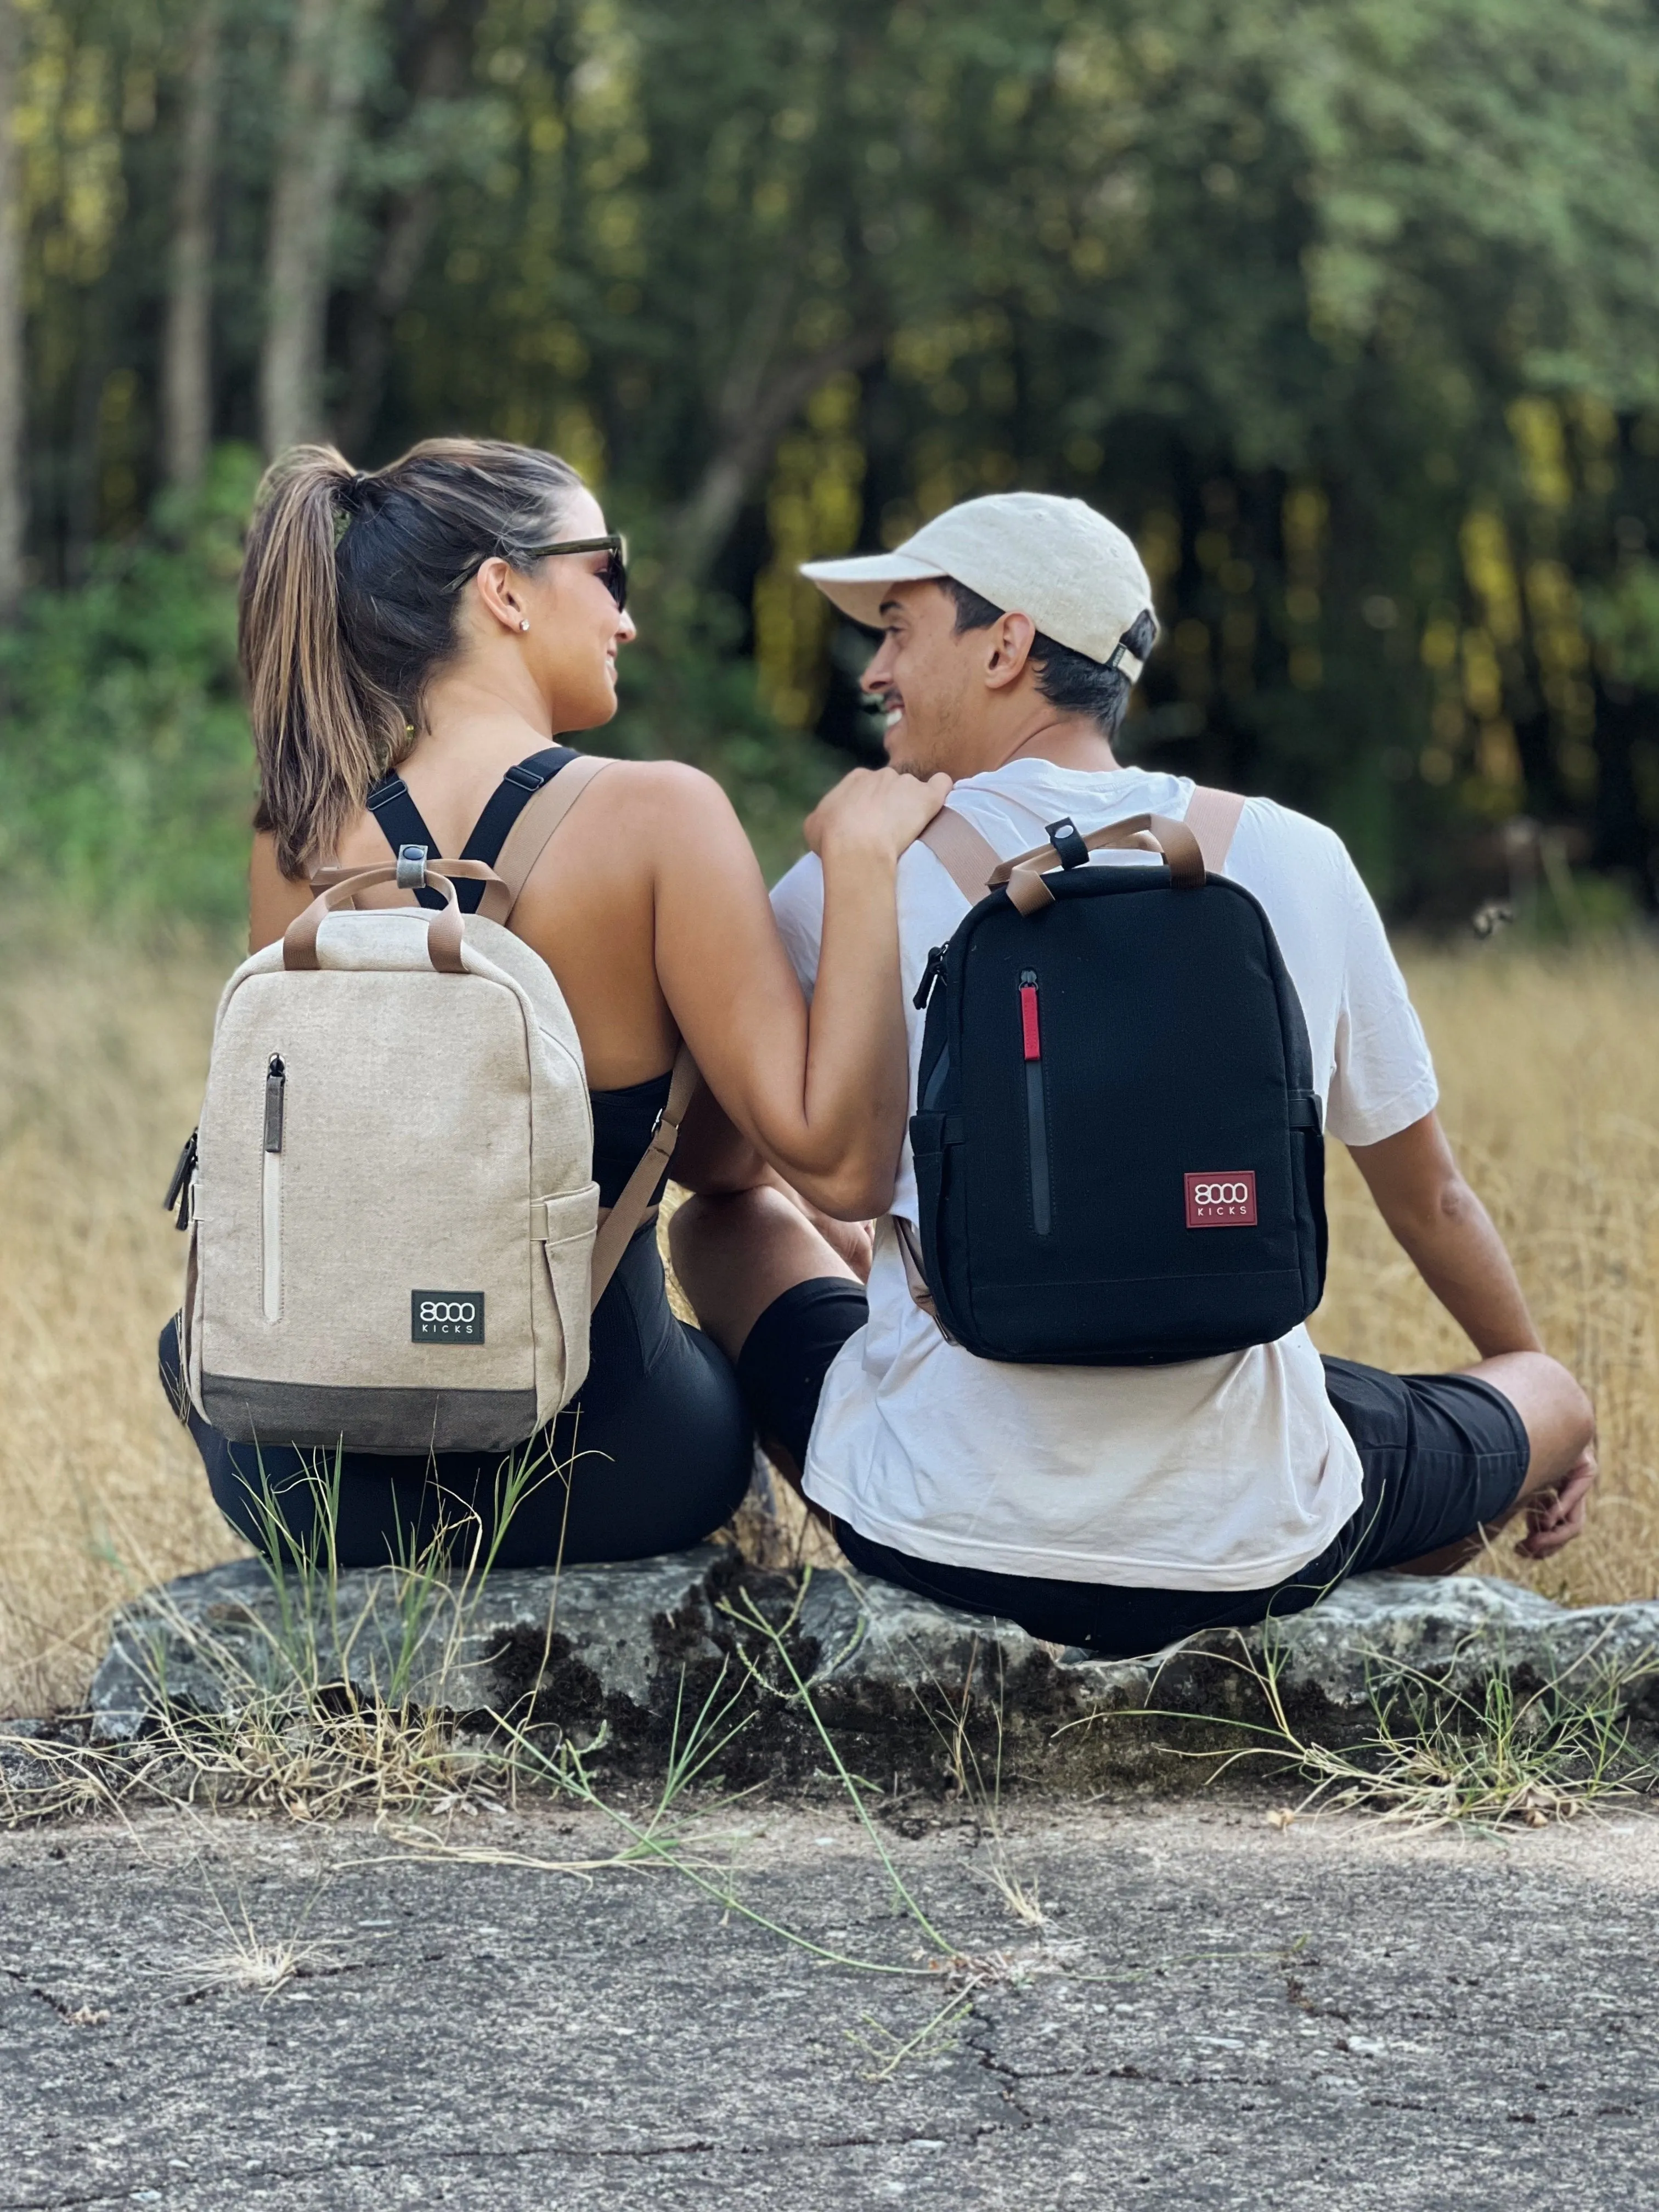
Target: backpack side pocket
pixel 1308 1194
pixel 930 1138
pixel 189 1321
pixel 569 1222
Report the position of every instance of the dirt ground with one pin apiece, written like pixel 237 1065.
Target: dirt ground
pixel 1219 2012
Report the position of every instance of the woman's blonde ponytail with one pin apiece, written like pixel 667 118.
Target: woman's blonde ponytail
pixel 321 732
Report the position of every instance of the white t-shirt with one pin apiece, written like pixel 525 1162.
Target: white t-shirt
pixel 1223 1473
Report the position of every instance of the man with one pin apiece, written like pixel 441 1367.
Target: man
pixel 1121 1508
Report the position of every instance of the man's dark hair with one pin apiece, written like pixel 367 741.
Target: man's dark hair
pixel 1068 680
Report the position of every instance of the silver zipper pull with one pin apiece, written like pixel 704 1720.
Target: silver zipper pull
pixel 275 1086
pixel 930 976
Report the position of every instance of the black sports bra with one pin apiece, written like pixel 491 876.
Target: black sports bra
pixel 623 1120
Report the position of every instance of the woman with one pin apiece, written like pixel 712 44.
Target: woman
pixel 449 617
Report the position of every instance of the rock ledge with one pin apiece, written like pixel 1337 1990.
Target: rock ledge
pixel 910 1691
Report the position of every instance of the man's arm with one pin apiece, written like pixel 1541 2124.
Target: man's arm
pixel 1448 1235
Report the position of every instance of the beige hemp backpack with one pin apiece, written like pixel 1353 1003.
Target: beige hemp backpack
pixel 390 1196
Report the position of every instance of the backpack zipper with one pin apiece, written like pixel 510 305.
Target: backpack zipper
pixel 179 1190
pixel 1036 1114
pixel 930 976
pixel 272 1194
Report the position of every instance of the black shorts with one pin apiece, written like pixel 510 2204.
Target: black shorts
pixel 1441 1455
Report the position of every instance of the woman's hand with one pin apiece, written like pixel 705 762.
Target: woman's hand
pixel 877 810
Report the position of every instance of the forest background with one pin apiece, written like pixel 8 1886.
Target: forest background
pixel 1348 309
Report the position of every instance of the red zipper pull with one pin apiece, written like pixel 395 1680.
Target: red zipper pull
pixel 1028 1015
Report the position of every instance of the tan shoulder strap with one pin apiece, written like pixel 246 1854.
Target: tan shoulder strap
pixel 909 1245
pixel 1213 818
pixel 964 855
pixel 630 1209
pixel 525 841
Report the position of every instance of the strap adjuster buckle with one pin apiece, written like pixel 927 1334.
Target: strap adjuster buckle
pixel 1068 845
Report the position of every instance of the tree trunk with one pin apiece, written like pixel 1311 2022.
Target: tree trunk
pixel 439 75
pixel 754 412
pixel 187 348
pixel 321 89
pixel 13 497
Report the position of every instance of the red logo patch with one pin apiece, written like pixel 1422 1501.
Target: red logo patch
pixel 1222 1201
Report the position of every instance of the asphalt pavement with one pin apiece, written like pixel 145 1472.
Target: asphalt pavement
pixel 1217 2011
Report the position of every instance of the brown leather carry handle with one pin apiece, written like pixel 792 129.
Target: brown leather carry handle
pixel 443 936
pixel 1154 833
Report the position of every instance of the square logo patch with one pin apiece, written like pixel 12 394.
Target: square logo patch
pixel 1215 1201
pixel 446 1316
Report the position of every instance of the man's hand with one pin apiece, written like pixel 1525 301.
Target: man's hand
pixel 853 1242
pixel 1555 1516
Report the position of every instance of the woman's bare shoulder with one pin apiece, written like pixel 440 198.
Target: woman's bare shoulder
pixel 669 795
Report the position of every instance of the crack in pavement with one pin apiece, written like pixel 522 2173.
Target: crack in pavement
pixel 482 2154
pixel 76 2016
pixel 1003 2074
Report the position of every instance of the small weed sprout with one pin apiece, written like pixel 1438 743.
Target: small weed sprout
pixel 746 1612
pixel 248 1960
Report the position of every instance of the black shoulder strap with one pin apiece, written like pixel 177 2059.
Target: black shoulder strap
pixel 401 824
pixel 507 801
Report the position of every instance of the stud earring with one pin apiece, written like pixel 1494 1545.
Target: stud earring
pixel 524 623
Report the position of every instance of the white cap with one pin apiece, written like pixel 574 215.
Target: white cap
pixel 1078 576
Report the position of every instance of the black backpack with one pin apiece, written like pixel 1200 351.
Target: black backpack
pixel 1118 1152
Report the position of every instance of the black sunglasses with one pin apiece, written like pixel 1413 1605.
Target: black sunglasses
pixel 613 575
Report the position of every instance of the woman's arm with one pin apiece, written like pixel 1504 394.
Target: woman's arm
pixel 712 1157
pixel 824 1102
pixel 823 1097
pixel 273 899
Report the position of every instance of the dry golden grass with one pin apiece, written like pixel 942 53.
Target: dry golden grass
pixel 101 1060
pixel 1551 1072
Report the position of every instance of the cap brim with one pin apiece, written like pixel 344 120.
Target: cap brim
pixel 859 586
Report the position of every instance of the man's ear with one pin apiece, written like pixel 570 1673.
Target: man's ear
pixel 1008 642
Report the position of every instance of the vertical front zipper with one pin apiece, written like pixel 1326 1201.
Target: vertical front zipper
pixel 1036 1117
pixel 271 1210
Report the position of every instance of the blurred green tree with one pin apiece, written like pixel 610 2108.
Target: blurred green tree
pixel 1345 307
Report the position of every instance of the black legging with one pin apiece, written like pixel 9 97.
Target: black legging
pixel 653 1455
